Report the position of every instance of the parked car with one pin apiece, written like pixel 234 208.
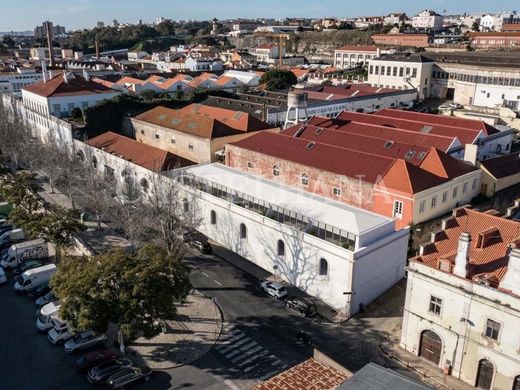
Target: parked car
pixel 3 278
pixel 456 106
pixel 203 247
pixel 38 291
pixel 29 264
pixel 46 314
pixel 84 340
pixel 127 376
pixel 60 332
pixel 444 106
pixel 301 305
pixel 46 298
pixel 91 359
pixel 101 372
pixel 274 289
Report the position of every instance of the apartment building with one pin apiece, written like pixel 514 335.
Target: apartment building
pixel 397 179
pixel 197 133
pixel 267 52
pixel 462 298
pixel 402 71
pixel 401 40
pixel 12 80
pixel 347 57
pixel 428 20
pixel 202 64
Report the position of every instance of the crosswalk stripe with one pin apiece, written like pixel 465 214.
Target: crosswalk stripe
pixel 251 359
pixel 232 353
pixel 276 362
pixel 229 341
pixel 261 354
pixel 235 345
pixel 244 355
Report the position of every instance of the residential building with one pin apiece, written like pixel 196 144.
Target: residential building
pixel 240 59
pixel 203 51
pixel 494 22
pixel 59 94
pixel 197 133
pixel 265 53
pixel 12 80
pixel 500 173
pixel 402 71
pixel 462 297
pixel 395 18
pixel 135 56
pixel 347 57
pixel 427 20
pixel 400 180
pixel 367 21
pixel 41 31
pixel 494 39
pixel 340 254
pixel 399 40
pixel 201 64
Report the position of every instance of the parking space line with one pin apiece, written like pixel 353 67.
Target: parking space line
pixel 216 281
pixel 205 274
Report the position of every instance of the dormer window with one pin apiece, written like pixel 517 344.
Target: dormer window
pixel 487 237
pixel 444 265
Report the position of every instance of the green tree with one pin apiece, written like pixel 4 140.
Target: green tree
pixel 134 292
pixel 8 41
pixel 56 226
pixel 475 26
pixel 278 79
pixel 166 28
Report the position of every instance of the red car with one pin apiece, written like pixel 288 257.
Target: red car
pixel 94 358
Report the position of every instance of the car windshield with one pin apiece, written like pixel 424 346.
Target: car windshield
pixel 49 295
pixel 282 289
pixel 78 338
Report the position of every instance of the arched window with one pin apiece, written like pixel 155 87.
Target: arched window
pixel 243 231
pixel 280 248
pixel 276 170
pixel 94 162
pixel 186 205
pixel 80 156
pixel 144 184
pixel 213 217
pixel 324 267
pixel 516 383
pixel 305 179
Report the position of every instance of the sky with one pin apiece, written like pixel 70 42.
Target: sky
pixel 74 14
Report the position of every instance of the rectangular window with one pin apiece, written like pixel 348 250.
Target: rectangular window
pixel 401 71
pixel 465 188
pixel 474 184
pixel 414 73
pixel 382 70
pixel 172 140
pixel 492 329
pixel 435 305
pixel 434 202
pixel 395 71
pixel 377 69
pixel 455 192
pixel 422 206
pixel 156 136
pixel 56 108
pixel 250 165
pixel 336 191
pixel 190 147
pixel 444 197
pixel 388 70
pixel 142 131
pixel 398 209
pixel 371 69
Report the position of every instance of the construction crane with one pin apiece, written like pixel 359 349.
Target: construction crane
pixel 282 38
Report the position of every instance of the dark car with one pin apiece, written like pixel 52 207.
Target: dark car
pixel 301 305
pixel 101 372
pixel 94 358
pixel 126 376
pixel 38 291
pixel 203 247
pixel 26 265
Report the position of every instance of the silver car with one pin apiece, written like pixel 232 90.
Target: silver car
pixel 101 372
pixel 127 376
pixel 274 289
pixel 84 340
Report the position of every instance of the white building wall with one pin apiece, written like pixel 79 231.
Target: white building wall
pixel 461 324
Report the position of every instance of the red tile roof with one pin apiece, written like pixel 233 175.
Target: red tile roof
pixel 405 177
pixel 308 375
pixel 443 120
pixel 503 166
pixel 352 48
pixel 143 155
pixel 491 260
pixel 442 165
pixel 57 86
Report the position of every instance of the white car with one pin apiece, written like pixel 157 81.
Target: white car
pixel 46 314
pixel 456 106
pixel 84 340
pixel 3 278
pixel 60 332
pixel 274 289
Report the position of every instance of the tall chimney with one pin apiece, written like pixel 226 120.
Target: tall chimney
pixel 511 280
pixel 48 30
pixel 462 258
pixel 65 77
pixel 97 48
pixel 44 71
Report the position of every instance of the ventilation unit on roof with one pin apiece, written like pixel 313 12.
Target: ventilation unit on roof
pixel 482 279
pixel 310 145
pixel 388 144
pixel 409 154
pixel 319 130
pixel 426 129
pixel 421 155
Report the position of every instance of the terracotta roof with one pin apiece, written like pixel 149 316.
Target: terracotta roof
pixel 443 120
pixel 143 155
pixel 491 259
pixel 57 86
pixel 386 133
pixel 203 121
pixel 442 165
pixel 130 80
pixel 305 376
pixel 503 166
pixel 493 34
pixel 405 177
pixel 357 48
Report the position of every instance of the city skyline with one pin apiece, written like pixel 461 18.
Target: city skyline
pixel 85 13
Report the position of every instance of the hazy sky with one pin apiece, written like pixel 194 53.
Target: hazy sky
pixel 73 14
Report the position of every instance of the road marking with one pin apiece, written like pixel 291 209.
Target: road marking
pixel 205 274
pixel 229 341
pixel 244 355
pixel 216 281
pixel 231 385
pixel 276 362
pixel 252 358
pixel 261 354
pixel 233 346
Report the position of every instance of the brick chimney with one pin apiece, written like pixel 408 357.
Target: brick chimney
pixel 97 48
pixel 462 258
pixel 511 280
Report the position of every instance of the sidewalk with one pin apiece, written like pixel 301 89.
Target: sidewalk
pixel 252 269
pixel 430 374
pixel 194 332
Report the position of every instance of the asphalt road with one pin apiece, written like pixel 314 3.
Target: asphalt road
pixel 258 340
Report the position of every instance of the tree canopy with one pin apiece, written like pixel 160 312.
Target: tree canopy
pixel 278 79
pixel 133 291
